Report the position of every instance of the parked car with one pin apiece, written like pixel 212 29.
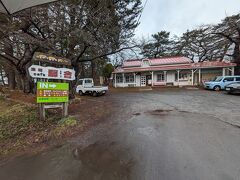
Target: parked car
pixel 220 82
pixel 233 88
pixel 86 86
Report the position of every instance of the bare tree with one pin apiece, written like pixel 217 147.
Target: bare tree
pixel 82 30
pixel 201 44
pixel 229 29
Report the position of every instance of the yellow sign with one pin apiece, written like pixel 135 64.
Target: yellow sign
pixel 43 57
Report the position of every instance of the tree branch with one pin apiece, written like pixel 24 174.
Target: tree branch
pixel 32 53
pixel 107 54
pixel 227 36
pixel 8 59
pixel 83 51
pixel 39 30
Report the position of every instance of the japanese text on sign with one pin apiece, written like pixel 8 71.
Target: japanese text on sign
pixel 49 92
pixel 43 57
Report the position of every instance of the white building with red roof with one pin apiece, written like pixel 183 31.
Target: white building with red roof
pixel 172 71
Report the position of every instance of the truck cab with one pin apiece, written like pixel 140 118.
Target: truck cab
pixel 87 82
pixel 86 86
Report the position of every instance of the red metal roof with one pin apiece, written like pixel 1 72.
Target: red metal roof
pixel 169 60
pixel 209 64
pixel 158 61
pixel 174 66
pixel 133 63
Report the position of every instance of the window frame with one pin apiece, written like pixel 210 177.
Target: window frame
pixel 161 77
pixel 129 78
pixel 119 79
pixel 237 79
pixel 181 76
pixel 145 63
pixel 224 80
pixel 87 81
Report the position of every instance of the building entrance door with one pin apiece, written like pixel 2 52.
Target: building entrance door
pixel 143 81
pixel 149 80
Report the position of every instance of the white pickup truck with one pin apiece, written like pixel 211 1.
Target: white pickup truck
pixel 86 86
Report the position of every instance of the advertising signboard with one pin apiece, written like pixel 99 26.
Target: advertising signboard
pixel 49 58
pixel 51 92
pixel 42 72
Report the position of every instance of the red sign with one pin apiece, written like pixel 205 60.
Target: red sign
pixel 52 73
pixel 67 74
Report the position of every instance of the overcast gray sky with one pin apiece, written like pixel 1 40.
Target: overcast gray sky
pixel 177 16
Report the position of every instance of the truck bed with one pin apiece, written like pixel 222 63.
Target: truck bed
pixel 99 88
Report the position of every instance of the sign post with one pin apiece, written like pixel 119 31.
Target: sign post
pixel 51 92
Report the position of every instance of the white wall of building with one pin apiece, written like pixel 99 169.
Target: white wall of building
pixel 171 76
pixel 182 83
pixel 171 79
pixel 121 85
pixel 138 83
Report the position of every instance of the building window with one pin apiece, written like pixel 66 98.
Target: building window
pixel 182 77
pixel 145 63
pixel 129 78
pixel 119 79
pixel 160 77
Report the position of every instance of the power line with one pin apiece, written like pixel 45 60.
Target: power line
pixel 142 11
pixel 140 15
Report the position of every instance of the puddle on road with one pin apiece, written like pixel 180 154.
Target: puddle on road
pixel 137 114
pixel 101 161
pixel 160 112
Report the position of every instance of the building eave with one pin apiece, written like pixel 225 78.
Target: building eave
pixel 172 67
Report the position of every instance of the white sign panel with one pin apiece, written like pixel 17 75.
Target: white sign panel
pixel 36 71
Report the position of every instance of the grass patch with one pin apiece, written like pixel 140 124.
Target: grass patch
pixel 68 121
pixel 21 130
pixel 2 98
pixel 63 126
pixel 15 120
pixel 20 126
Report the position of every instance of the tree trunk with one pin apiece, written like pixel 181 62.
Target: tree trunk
pixel 93 68
pixel 2 75
pixel 82 70
pixel 27 82
pixel 9 68
pixel 19 81
pixel 10 74
pixel 27 87
pixel 11 79
pixel 236 58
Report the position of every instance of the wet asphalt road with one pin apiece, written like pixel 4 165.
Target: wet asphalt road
pixel 155 135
